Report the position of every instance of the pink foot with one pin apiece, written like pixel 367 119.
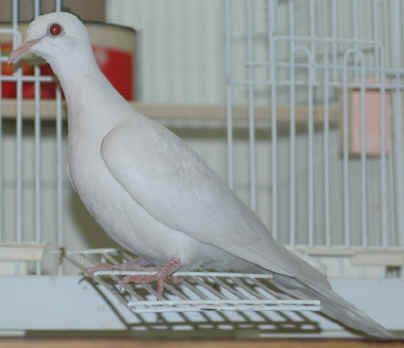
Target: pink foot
pixel 159 277
pixel 137 264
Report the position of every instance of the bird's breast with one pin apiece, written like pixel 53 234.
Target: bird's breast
pixel 119 214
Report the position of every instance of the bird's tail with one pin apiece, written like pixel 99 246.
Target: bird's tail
pixel 333 306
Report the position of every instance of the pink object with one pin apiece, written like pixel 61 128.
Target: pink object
pixel 138 264
pixel 373 115
pixel 159 277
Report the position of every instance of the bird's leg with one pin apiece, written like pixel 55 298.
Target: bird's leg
pixel 137 264
pixel 159 277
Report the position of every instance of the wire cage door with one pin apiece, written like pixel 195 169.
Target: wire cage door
pixel 23 186
pixel 324 79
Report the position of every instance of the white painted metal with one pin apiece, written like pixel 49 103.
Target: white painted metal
pixel 37 120
pixel 326 152
pixel 18 210
pixel 274 126
pixel 1 158
pixel 197 291
pixel 397 62
pixel 292 157
pixel 229 97
pixel 251 105
pixel 59 159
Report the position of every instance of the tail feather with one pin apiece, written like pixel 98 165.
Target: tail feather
pixel 333 305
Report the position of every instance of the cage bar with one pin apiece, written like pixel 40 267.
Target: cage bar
pixel 37 134
pixel 274 132
pixel 251 108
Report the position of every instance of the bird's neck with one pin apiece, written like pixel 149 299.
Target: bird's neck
pixel 85 88
pixel 72 71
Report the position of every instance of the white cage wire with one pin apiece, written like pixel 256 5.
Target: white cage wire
pixel 17 201
pixel 297 75
pixel 315 70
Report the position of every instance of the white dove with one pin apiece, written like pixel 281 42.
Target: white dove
pixel 152 193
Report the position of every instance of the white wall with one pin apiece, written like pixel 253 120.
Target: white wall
pixel 181 55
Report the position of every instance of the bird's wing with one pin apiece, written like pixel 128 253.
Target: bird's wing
pixel 173 184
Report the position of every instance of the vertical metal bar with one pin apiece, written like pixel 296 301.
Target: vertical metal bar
pixel 59 159
pixel 334 36
pixel 325 150
pixel 2 234
pixel 274 130
pixel 37 130
pixel 59 166
pixel 391 190
pixel 396 127
pixel 251 109
pixel 345 154
pixel 397 158
pixel 312 20
pixel 18 216
pixel 229 97
pixel 363 155
pixel 355 14
pixel 310 176
pixel 383 158
pixel 376 31
pixel 379 61
pixel 292 137
pixel 58 5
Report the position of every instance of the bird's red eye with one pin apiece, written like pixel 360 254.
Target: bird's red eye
pixel 55 29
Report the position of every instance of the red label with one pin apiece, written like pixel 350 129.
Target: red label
pixel 116 65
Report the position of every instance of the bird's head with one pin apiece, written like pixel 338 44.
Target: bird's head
pixel 53 35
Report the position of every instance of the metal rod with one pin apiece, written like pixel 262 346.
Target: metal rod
pixel 59 158
pixel 26 78
pixel 326 144
pixel 376 29
pixel 345 156
pixel 355 19
pixel 2 234
pixel 353 84
pixel 364 217
pixel 310 173
pixel 58 5
pixel 334 35
pixel 292 137
pixel 274 134
pixel 229 97
pixel 330 40
pixel 312 19
pixel 15 33
pixel 310 176
pixel 18 216
pixel 59 169
pixel 251 109
pixel 383 163
pixel 396 127
pixel 398 168
pixel 37 130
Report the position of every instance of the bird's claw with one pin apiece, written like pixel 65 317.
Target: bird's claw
pixel 160 277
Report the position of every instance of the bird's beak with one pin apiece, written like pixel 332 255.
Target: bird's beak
pixel 22 50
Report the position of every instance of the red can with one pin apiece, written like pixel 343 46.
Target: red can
pixel 114 50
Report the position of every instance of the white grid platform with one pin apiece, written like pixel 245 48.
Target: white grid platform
pixel 197 292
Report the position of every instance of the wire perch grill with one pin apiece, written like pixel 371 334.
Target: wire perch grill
pixel 203 300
